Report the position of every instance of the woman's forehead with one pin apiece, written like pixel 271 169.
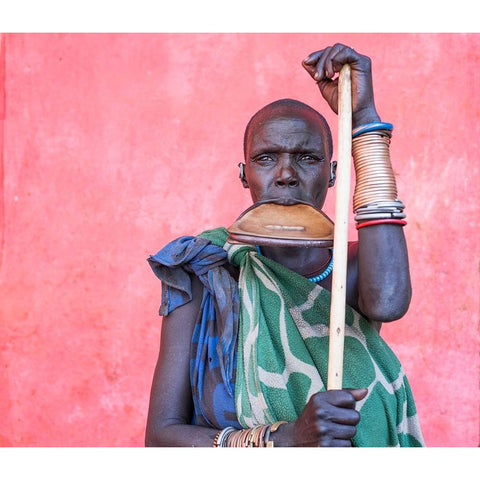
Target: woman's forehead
pixel 287 132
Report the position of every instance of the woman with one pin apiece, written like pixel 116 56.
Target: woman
pixel 243 355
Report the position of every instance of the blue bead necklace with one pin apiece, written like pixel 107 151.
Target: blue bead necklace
pixel 320 276
pixel 325 273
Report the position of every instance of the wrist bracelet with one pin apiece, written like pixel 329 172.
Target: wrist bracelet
pixel 220 437
pixel 215 440
pixel 375 179
pixel 273 428
pixel 379 216
pixel 258 436
pixel 371 127
pixel 380 222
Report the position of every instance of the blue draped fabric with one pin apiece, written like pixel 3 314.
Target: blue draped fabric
pixel 213 354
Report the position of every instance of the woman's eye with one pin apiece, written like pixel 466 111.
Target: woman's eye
pixel 309 158
pixel 263 159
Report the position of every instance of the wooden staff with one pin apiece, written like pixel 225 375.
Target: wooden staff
pixel 340 238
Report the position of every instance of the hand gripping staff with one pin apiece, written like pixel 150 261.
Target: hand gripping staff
pixel 340 235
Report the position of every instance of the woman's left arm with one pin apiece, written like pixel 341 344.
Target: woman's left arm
pixel 383 283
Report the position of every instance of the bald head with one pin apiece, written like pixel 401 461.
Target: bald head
pixel 286 108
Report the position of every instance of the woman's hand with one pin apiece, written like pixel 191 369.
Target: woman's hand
pixel 328 420
pixel 325 64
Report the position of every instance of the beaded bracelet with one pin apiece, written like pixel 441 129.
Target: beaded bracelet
pixel 371 127
pixel 380 222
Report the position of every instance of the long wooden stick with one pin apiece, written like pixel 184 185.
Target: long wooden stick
pixel 340 238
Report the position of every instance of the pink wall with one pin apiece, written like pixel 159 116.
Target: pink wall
pixel 111 145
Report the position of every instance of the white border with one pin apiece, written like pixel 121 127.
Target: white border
pixel 326 16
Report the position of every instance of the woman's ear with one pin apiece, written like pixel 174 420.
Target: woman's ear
pixel 333 175
pixel 242 175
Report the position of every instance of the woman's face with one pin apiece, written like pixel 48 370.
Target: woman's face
pixel 286 160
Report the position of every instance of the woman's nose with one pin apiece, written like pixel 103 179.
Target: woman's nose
pixel 286 175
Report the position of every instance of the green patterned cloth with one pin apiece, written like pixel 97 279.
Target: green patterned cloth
pixel 283 354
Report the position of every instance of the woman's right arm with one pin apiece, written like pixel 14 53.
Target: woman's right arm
pixel 329 418
pixel 171 404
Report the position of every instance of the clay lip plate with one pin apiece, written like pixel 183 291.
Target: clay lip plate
pixel 270 223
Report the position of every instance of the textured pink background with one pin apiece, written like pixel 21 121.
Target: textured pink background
pixel 113 144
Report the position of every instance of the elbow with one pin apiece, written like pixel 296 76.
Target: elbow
pixel 385 314
pixel 156 437
pixel 154 434
pixel 165 433
pixel 385 308
pixel 151 439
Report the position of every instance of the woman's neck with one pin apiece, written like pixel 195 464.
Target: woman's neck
pixel 304 261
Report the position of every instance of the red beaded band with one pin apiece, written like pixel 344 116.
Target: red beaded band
pixel 380 222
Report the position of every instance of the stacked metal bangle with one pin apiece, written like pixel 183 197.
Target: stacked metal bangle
pixel 380 210
pixel 374 175
pixel 220 437
pixel 258 436
pixel 375 197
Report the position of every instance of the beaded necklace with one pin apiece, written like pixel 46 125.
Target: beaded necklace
pixel 320 276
